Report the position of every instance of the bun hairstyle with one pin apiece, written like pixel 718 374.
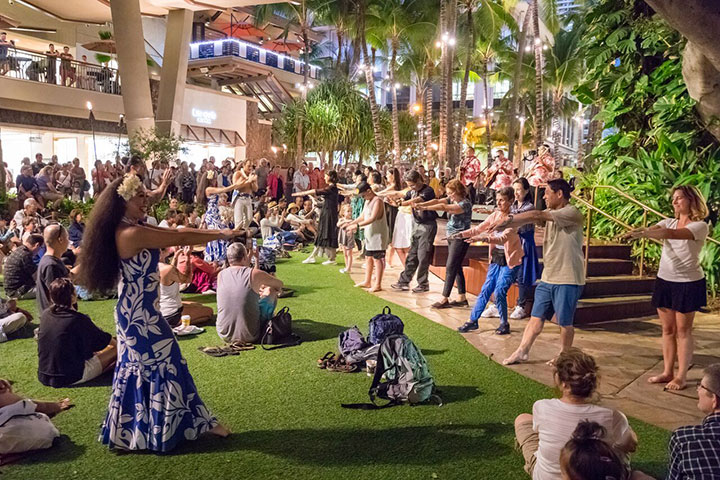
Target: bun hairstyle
pixel 587 456
pixel 577 370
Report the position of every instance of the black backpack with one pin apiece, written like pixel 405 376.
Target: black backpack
pixel 279 331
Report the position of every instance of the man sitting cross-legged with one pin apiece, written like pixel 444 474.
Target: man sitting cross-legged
pixel 246 298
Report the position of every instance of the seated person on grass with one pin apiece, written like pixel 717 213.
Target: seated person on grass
pixel 203 275
pixel 72 350
pixel 542 435
pixel 172 306
pixel 246 298
pixel 51 266
pixel 12 318
pixel 24 423
pixel 20 269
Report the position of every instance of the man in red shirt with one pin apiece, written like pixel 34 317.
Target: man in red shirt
pixel 472 167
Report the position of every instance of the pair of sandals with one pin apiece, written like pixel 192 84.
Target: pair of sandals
pixel 233 348
pixel 336 363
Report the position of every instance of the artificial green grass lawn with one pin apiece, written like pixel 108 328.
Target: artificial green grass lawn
pixel 285 412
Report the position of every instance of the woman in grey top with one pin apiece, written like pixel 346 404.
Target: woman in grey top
pixel 376 235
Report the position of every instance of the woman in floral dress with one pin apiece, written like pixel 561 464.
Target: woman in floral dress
pixel 215 251
pixel 154 404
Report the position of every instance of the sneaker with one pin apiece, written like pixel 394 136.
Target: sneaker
pixel 400 286
pixel 518 313
pixel 468 326
pixel 209 292
pixel 309 260
pixel 329 262
pixel 421 289
pixel 343 270
pixel 503 329
pixel 490 311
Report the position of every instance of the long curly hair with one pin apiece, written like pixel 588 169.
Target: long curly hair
pixel 99 259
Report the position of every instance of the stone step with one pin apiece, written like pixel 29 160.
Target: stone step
pixel 615 285
pixel 606 267
pixel 597 310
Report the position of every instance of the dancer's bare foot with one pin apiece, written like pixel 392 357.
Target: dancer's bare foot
pixel 375 289
pixel 220 431
pixel 676 384
pixel 362 285
pixel 552 361
pixel 662 378
pixel 517 357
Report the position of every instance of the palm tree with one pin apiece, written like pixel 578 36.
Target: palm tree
pixel 468 6
pixel 301 13
pixel 448 27
pixel 368 67
pixel 537 47
pixel 394 24
pixel 515 85
pixel 564 69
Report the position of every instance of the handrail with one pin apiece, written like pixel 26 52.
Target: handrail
pixel 590 205
pixel 30 65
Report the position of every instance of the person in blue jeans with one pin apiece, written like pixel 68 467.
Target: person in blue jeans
pixel 506 258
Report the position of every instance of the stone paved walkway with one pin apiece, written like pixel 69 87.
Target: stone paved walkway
pixel 628 352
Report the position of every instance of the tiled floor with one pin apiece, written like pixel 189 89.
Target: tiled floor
pixel 628 352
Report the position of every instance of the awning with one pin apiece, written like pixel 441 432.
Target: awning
pixel 192 133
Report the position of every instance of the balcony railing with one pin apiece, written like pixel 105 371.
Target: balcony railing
pixel 38 67
pixel 231 47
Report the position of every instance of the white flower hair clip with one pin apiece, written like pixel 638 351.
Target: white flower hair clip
pixel 129 187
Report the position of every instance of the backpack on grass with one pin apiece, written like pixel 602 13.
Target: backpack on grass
pixel 406 372
pixel 384 325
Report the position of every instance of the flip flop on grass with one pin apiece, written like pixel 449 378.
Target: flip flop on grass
pixel 219 351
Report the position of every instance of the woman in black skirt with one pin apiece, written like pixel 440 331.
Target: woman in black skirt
pixel 680 288
pixel 326 243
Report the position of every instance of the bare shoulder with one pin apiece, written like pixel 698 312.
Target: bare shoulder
pixel 126 239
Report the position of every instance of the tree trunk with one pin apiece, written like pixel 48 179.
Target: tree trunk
pixel 395 118
pixel 462 114
pixel 537 46
pixel 452 30
pixel 421 117
pixel 556 132
pixel 299 153
pixel 340 48
pixel 515 93
pixel 594 130
pixel 428 114
pixel 442 137
pixel 488 118
pixel 699 21
pixel 370 79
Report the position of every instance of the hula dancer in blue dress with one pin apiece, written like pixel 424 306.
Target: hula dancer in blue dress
pixel 215 251
pixel 154 404
pixel 530 268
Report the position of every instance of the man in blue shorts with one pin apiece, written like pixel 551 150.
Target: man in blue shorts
pixel 563 276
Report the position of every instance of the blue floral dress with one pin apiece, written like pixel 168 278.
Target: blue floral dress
pixel 215 251
pixel 154 404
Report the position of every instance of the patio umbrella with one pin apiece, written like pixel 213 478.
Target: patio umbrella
pixel 243 30
pixel 7 22
pixel 283 46
pixel 105 46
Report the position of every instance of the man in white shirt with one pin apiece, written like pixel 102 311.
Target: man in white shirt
pixel 563 276
pixel 301 179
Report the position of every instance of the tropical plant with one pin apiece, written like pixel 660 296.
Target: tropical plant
pixel 563 71
pixel 152 144
pixel 634 77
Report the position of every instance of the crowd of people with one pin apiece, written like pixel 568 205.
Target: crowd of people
pixel 207 242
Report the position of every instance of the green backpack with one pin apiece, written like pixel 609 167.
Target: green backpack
pixel 406 372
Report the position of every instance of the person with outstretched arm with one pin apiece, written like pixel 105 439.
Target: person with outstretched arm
pixel 563 276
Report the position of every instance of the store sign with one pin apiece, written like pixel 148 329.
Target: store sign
pixel 204 117
pixel 35 139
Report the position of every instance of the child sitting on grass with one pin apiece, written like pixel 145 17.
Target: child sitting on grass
pixel 346 240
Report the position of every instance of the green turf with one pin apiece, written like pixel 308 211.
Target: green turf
pixel 285 412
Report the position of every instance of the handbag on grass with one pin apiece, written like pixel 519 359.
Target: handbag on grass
pixel 279 331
